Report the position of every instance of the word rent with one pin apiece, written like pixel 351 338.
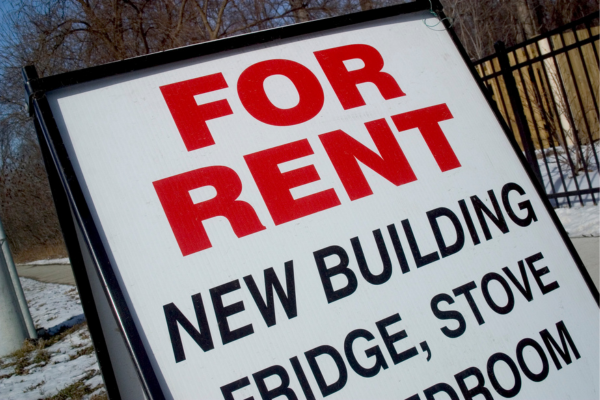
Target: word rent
pixel 186 217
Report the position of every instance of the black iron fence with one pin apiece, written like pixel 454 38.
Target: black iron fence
pixel 547 91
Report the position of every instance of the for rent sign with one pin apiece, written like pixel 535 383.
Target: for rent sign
pixel 334 214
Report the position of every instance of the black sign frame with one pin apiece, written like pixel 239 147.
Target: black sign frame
pixel 72 208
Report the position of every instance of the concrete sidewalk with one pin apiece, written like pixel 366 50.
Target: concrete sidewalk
pixel 587 248
pixel 50 273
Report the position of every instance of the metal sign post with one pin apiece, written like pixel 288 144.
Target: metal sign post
pixel 12 269
pixel 12 326
pixel 330 209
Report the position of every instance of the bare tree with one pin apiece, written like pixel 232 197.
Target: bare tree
pixel 479 24
pixel 64 35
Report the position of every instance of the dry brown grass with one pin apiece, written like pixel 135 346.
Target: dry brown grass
pixel 33 351
pixel 41 252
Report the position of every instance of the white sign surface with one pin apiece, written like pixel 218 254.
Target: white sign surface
pixel 339 215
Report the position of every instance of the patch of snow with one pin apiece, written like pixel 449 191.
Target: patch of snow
pixel 583 219
pixel 580 221
pixel 51 261
pixel 67 362
pixel 64 368
pixel 51 304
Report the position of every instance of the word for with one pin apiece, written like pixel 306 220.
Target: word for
pixel 344 152
pixel 496 216
pixel 191 118
pixel 312 356
pixel 465 290
pixel 480 391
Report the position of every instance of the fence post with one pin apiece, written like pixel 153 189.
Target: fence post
pixel 517 105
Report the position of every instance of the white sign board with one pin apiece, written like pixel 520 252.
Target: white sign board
pixel 338 214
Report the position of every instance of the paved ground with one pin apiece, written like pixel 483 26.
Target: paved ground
pixel 52 273
pixel 588 249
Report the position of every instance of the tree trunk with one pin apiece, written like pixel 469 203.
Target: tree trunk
pixel 299 9
pixel 366 5
pixel 525 20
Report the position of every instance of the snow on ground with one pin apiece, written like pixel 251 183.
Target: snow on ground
pixel 558 177
pixel 583 219
pixel 62 366
pixel 51 261
pixel 580 221
pixel 52 306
